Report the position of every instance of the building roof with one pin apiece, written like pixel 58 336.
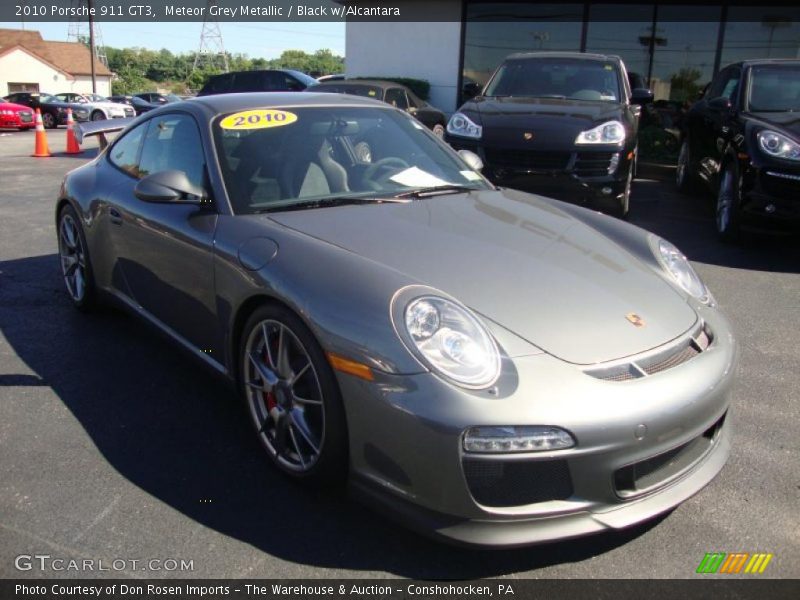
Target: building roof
pixel 71 57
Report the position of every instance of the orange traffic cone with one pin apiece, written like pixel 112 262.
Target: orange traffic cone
pixel 72 142
pixel 41 150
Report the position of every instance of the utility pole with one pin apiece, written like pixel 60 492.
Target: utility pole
pixel 212 50
pixel 91 46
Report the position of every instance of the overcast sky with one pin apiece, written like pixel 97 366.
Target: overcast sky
pixel 256 39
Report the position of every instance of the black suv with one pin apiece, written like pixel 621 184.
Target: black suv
pixel 743 141
pixel 563 124
pixel 271 80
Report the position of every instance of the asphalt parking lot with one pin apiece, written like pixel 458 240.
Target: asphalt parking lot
pixel 115 445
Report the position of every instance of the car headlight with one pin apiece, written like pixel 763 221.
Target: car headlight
pixel 677 265
pixel 778 145
pixel 461 125
pixel 612 132
pixel 451 341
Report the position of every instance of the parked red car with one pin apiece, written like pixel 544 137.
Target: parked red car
pixel 16 116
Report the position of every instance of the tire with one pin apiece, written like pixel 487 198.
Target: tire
pixel 49 121
pixel 76 266
pixel 292 398
pixel 438 130
pixel 729 197
pixel 684 178
pixel 98 116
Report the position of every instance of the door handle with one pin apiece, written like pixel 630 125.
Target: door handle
pixel 115 217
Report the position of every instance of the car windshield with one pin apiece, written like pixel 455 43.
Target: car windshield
pixel 305 79
pixel 96 98
pixel 47 98
pixel 298 157
pixel 775 88
pixel 572 78
pixel 172 98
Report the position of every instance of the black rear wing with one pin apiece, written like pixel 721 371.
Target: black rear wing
pixel 100 129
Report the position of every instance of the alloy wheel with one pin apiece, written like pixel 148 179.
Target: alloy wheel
pixel 284 396
pixel 73 258
pixel 48 121
pixel 682 170
pixel 725 199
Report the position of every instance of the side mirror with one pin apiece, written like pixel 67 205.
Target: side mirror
pixel 170 186
pixel 720 104
pixel 473 160
pixel 470 89
pixel 641 96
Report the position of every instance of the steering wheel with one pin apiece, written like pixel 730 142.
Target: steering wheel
pixel 390 164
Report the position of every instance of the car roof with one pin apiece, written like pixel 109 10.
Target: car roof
pixel 766 61
pixel 380 83
pixel 577 55
pixel 225 103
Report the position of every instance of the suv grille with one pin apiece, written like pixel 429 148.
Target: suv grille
pixel 593 164
pixel 528 159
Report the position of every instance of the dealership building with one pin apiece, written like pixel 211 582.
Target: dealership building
pixel 676 48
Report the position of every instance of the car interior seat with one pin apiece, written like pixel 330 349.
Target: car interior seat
pixel 310 169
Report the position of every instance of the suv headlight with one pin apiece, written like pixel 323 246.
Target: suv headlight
pixel 677 265
pixel 449 339
pixel 778 145
pixel 612 132
pixel 461 125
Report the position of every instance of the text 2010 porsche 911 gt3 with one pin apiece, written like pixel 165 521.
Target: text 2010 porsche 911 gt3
pixel 496 367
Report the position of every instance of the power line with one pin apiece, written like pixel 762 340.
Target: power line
pixel 212 49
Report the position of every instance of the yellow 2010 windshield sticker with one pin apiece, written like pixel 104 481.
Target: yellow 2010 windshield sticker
pixel 258 119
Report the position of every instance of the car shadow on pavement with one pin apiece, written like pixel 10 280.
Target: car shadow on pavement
pixel 176 431
pixel 687 220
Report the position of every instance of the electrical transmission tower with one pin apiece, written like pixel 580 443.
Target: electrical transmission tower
pixel 212 50
pixel 78 31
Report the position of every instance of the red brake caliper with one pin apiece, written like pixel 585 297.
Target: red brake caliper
pixel 269 397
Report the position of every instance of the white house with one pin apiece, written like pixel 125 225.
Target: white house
pixel 29 63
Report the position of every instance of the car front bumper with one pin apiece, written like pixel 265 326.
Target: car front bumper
pixel 595 177
pixel 643 446
pixel 15 122
pixel 771 195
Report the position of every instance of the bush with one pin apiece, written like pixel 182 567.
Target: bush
pixel 420 87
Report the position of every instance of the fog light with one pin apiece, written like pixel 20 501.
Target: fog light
pixel 606 191
pixel 516 439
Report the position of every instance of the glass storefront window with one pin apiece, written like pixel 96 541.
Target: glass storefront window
pixel 761 32
pixel 683 63
pixel 623 30
pixel 496 29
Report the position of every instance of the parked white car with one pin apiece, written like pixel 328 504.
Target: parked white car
pixel 99 107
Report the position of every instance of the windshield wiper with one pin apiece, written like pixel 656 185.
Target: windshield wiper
pixel 435 190
pixel 335 201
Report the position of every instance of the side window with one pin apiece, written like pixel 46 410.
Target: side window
pixel 396 97
pixel 413 101
pixel 62 97
pixel 173 143
pixel 292 84
pixel 731 87
pixel 125 152
pixel 717 87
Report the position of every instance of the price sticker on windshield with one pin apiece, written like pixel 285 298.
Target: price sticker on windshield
pixel 258 119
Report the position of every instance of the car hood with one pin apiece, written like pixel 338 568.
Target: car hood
pixel 553 122
pixel 117 105
pixel 519 261
pixel 789 121
pixel 15 107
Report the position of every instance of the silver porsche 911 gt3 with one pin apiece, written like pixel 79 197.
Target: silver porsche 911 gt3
pixel 495 367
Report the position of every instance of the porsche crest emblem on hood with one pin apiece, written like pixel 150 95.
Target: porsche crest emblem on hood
pixel 635 320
